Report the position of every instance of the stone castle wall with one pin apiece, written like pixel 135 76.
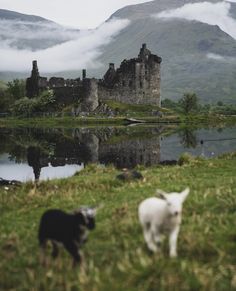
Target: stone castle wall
pixel 136 81
pixel 89 100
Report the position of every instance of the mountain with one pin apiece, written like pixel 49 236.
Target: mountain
pixel 197 57
pixel 31 32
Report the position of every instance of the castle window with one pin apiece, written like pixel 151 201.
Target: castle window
pixel 123 83
pixel 130 83
pixel 141 84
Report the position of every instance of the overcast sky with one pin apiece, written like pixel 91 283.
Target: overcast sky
pixel 76 13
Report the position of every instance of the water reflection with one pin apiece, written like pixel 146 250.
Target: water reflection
pixel 51 153
pixel 188 137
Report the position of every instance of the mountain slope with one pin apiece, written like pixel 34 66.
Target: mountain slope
pixel 12 15
pixel 185 65
pixel 190 50
pixel 31 32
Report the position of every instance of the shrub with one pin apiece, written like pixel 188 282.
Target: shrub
pixel 185 158
pixel 26 107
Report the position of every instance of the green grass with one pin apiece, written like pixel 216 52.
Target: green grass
pixel 133 108
pixel 67 121
pixel 116 256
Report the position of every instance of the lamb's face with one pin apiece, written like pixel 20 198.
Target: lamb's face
pixel 89 217
pixel 174 204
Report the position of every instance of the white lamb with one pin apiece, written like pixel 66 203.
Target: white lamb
pixel 160 217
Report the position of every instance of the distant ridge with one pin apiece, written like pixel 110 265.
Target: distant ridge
pixel 12 15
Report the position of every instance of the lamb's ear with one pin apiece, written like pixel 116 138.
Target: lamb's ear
pixel 185 193
pixel 96 208
pixel 161 193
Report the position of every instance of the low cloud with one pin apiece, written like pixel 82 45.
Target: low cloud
pixel 206 12
pixel 79 50
pixel 15 30
pixel 220 58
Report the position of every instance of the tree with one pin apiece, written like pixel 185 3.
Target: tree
pixel 189 103
pixel 6 100
pixel 16 89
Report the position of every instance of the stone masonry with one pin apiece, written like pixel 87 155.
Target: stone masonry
pixel 136 81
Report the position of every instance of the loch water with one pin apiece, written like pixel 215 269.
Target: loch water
pixel 48 153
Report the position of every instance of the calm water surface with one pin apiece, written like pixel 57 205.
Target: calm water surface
pixel 29 153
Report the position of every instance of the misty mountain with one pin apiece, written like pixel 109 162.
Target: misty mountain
pixel 31 32
pixel 197 56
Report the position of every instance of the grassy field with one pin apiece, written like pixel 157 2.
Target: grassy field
pixel 116 256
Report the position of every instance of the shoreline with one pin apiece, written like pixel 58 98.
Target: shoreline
pixel 112 121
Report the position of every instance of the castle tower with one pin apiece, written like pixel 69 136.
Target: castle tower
pixel 32 88
pixel 89 95
pixel 144 52
pixel 110 75
pixel 136 81
pixel 35 84
pixel 35 71
pixel 84 73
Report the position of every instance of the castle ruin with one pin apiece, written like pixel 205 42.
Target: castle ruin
pixel 136 81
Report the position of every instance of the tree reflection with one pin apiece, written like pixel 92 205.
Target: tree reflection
pixel 33 158
pixel 188 137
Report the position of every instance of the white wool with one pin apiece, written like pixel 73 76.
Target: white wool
pixel 160 217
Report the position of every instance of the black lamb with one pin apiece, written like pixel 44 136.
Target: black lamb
pixel 68 229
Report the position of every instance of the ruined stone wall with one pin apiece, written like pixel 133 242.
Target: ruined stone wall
pixel 137 81
pixel 67 95
pixel 89 95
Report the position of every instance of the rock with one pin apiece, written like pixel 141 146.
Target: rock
pixel 128 175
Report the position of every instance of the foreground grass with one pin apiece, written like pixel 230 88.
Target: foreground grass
pixel 116 256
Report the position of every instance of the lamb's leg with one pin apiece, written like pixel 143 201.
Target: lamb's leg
pixel 149 237
pixel 72 248
pixel 157 238
pixel 173 237
pixel 42 257
pixel 55 250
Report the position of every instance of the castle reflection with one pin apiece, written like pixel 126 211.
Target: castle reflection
pixel 124 147
pixel 57 147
